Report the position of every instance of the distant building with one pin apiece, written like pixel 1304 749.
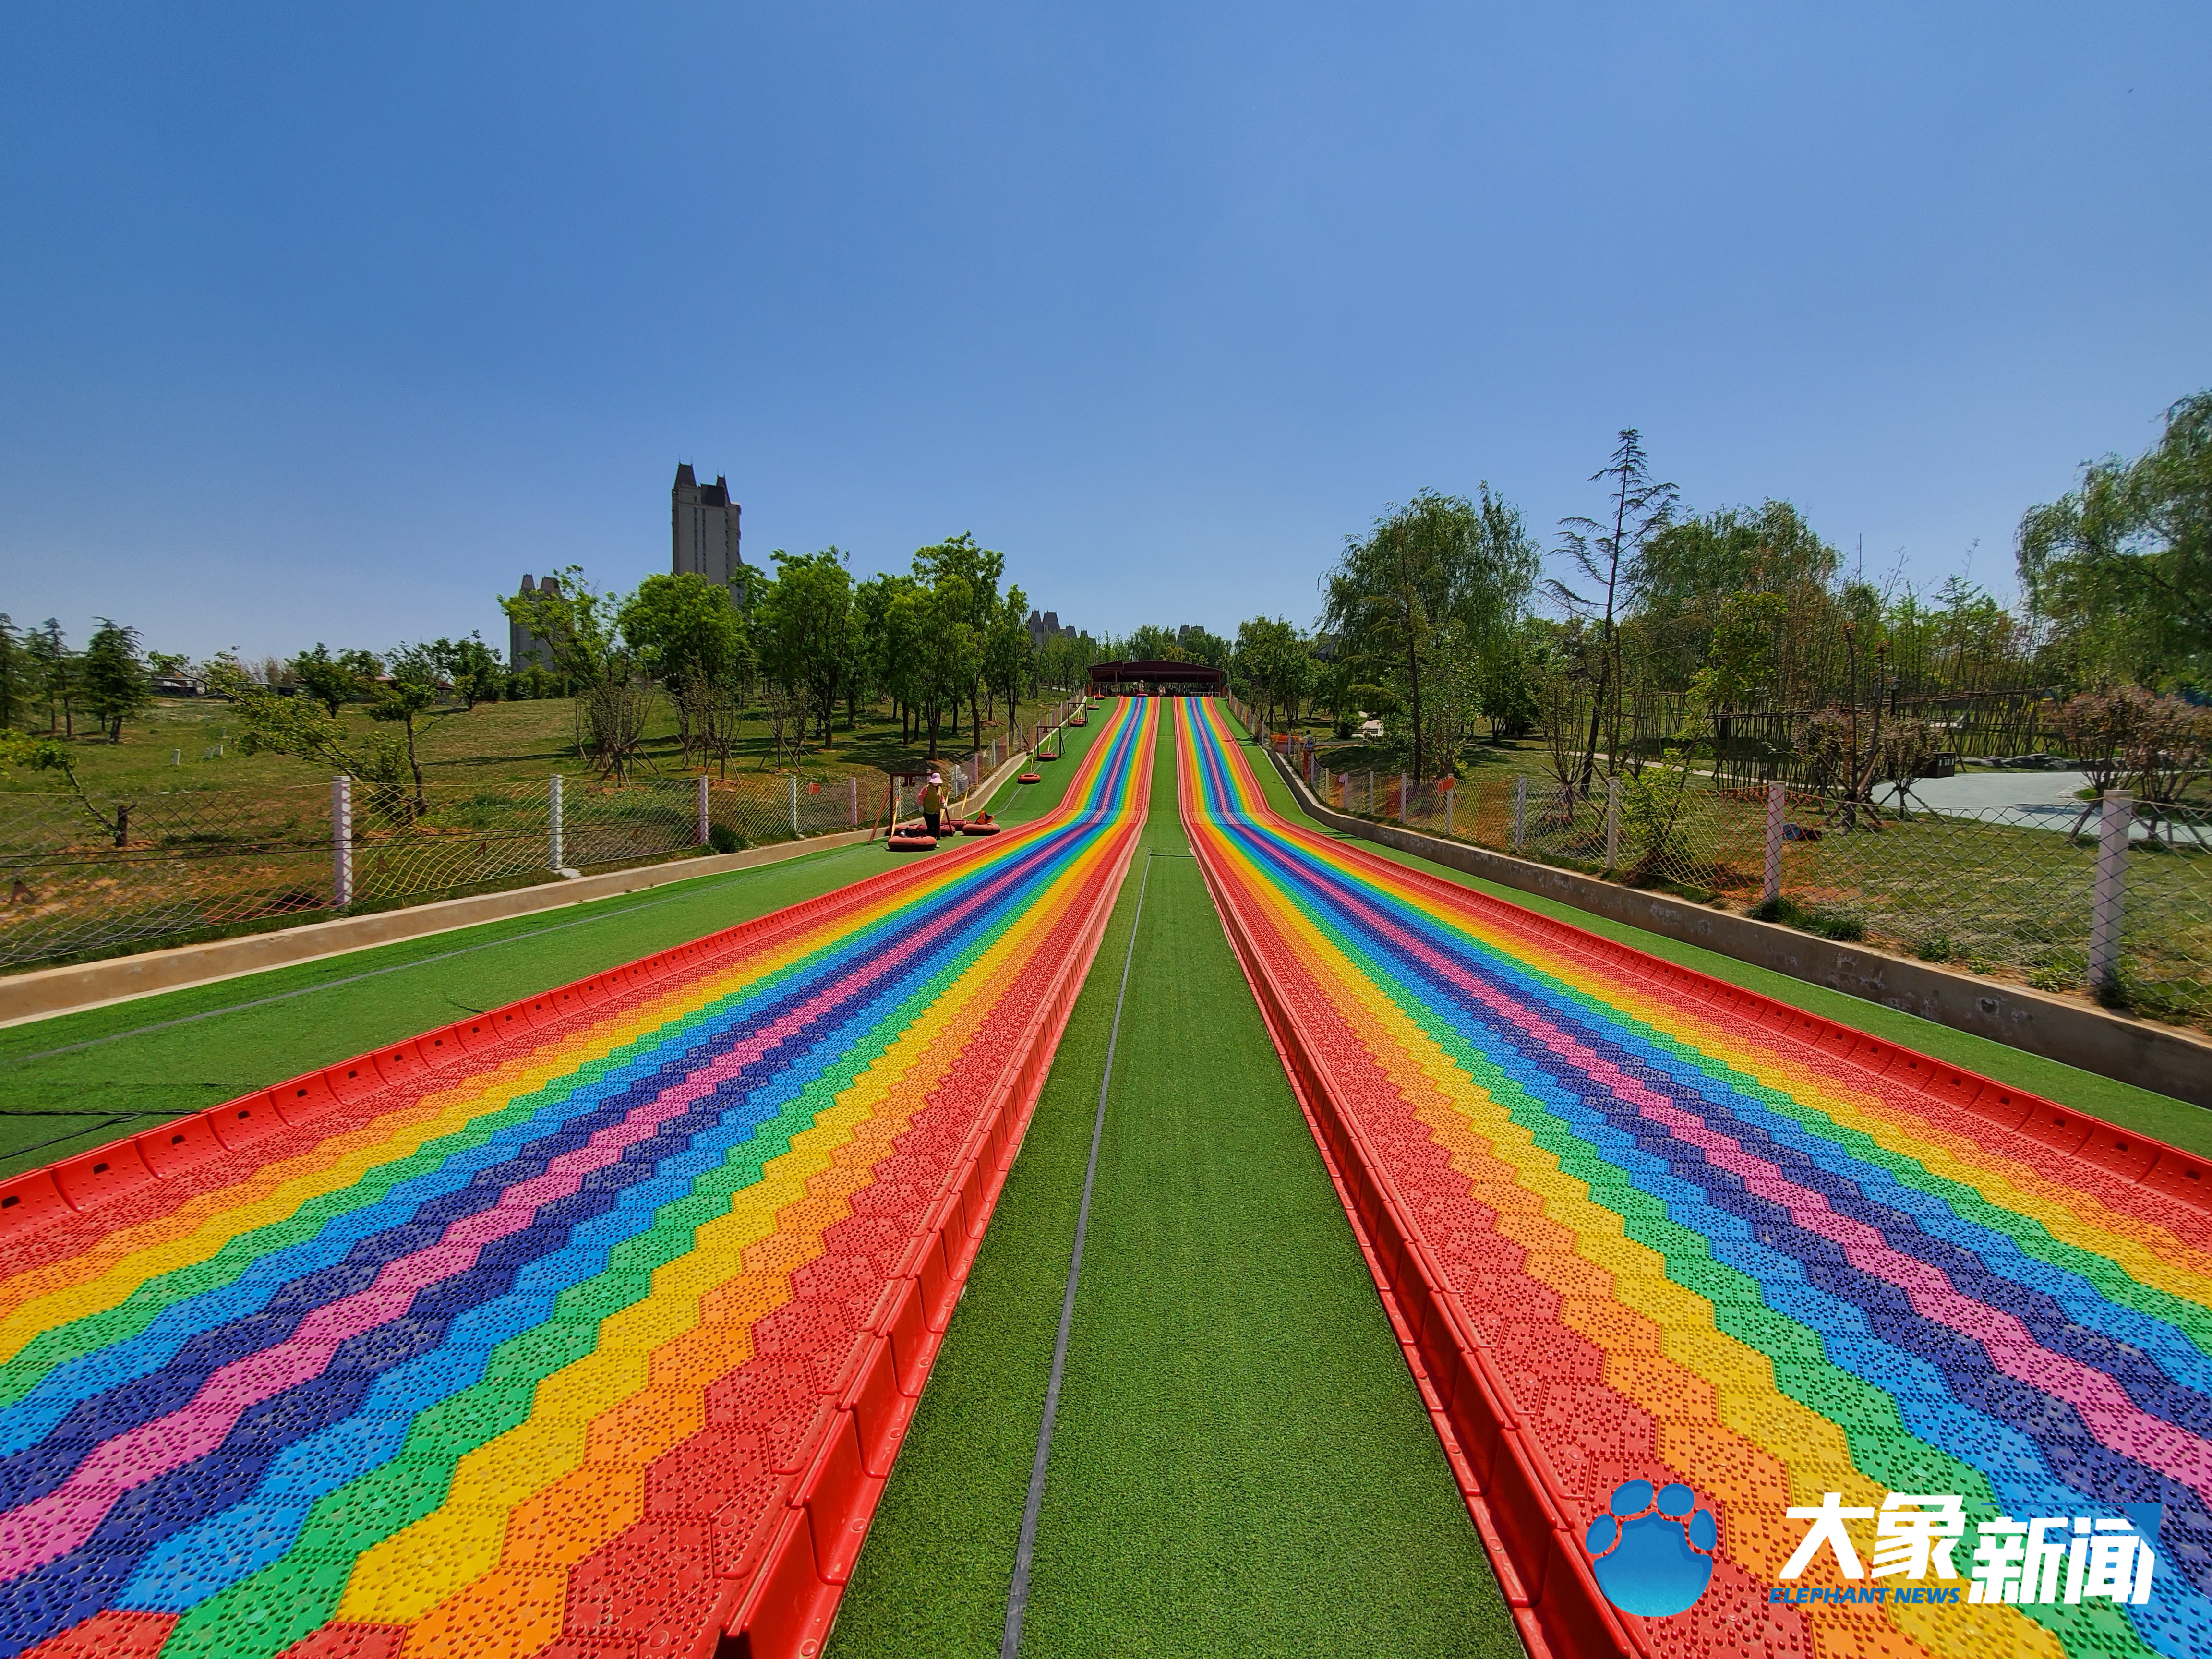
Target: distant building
pixel 703 531
pixel 1045 627
pixel 523 646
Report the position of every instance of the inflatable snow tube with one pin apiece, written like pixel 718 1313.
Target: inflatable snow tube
pixel 913 843
pixel 979 829
pixel 1031 777
pixel 1080 719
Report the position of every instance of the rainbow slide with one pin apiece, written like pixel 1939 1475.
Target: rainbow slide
pixel 1671 1261
pixel 591 1326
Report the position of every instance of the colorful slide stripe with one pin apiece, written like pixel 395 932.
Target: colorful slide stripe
pixel 597 1337
pixel 1630 1234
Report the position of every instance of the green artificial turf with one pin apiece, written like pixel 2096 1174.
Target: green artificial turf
pixel 131 1066
pixel 2175 1121
pixel 1242 1465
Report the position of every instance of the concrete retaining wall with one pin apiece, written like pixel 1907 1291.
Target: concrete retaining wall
pixel 2158 1057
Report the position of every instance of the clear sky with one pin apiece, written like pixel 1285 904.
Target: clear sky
pixel 326 322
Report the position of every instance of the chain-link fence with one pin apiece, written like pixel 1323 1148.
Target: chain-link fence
pixel 2103 895
pixel 184 864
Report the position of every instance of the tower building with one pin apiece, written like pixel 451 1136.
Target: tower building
pixel 703 527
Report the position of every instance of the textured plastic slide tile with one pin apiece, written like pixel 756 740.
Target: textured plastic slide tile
pixel 1952 1086
pixel 439 1047
pixel 243 1122
pixel 2126 1155
pixel 475 1036
pixel 2001 1105
pixel 2056 1126
pixel 907 1325
pixel 401 1063
pixel 303 1099
pixel 1873 1054
pixel 787 1613
pixel 174 1147
pixel 832 1494
pixel 109 1635
pixel 880 1412
pixel 350 1079
pixel 94 1177
pixel 29 1200
pixel 511 1021
pixel 2179 1176
pixel 345 1639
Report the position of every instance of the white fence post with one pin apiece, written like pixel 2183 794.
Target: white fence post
pixel 1520 807
pixel 706 818
pixel 2111 889
pixel 1777 809
pixel 1613 823
pixel 341 841
pixel 553 821
pixel 794 803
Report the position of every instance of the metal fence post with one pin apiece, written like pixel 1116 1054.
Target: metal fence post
pixel 553 820
pixel 1405 809
pixel 2111 889
pixel 1778 809
pixel 852 789
pixel 341 841
pixel 705 811
pixel 1520 807
pixel 1451 795
pixel 794 803
pixel 1613 823
pixel 1370 792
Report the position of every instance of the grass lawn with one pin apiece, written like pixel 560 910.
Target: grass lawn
pixel 173 747
pixel 2170 1120
pixel 1241 1464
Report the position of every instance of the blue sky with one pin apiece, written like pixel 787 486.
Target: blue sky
pixel 322 323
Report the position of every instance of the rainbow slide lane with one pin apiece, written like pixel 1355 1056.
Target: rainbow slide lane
pixel 598 1338
pixel 1633 1225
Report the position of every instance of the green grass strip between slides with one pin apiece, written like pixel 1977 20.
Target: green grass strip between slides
pixel 1241 1464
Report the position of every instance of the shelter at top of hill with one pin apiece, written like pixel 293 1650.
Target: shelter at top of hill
pixel 1173 679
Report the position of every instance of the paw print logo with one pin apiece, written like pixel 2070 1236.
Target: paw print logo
pixel 1651 1555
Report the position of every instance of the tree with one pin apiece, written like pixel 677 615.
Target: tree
pixel 469 666
pixel 1272 665
pixel 2123 564
pixel 803 626
pixel 53 673
pixel 580 627
pixel 1605 553
pixel 14 675
pixel 114 677
pixel 1440 570
pixel 269 723
pixel 975 602
pixel 330 683
pixel 1009 654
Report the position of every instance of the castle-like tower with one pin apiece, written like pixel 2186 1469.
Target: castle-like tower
pixel 703 529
